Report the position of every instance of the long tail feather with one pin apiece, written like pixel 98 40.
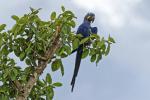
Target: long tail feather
pixel 77 65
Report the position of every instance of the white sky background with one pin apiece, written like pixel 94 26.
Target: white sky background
pixel 125 73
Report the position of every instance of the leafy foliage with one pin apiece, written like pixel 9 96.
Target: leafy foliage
pixel 29 39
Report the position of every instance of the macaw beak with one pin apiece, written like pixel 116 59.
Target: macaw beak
pixel 93 18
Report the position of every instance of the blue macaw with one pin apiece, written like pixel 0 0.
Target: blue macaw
pixel 85 29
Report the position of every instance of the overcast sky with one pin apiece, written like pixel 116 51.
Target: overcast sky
pixel 125 73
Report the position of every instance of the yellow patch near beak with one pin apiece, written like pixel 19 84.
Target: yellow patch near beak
pixel 88 17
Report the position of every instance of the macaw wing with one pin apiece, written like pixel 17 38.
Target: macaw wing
pixel 84 30
pixel 94 30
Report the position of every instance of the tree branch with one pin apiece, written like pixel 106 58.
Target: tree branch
pixel 41 65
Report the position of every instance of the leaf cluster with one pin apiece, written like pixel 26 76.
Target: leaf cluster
pixel 28 40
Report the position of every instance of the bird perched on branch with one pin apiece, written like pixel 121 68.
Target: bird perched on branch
pixel 85 30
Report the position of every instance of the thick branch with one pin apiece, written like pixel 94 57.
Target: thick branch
pixel 41 66
pixel 17 84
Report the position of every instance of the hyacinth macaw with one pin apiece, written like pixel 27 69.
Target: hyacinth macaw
pixel 85 29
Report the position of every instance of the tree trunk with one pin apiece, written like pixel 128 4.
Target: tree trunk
pixel 19 97
pixel 24 93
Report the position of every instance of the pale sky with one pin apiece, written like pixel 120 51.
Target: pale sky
pixel 125 73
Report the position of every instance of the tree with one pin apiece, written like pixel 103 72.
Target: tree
pixel 39 43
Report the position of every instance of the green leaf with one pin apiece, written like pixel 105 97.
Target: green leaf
pixel 13 74
pixel 69 13
pixel 53 15
pixel 28 62
pixel 60 51
pixel 17 51
pixel 57 84
pixel 92 51
pixel 23 20
pixel 6 73
pixel 28 50
pixel 40 83
pixel 48 78
pixel 103 48
pixel 94 36
pixel 1 76
pixel 63 8
pixel 32 9
pixel 28 69
pixel 72 23
pixel 2 27
pixel 93 58
pixel 65 30
pixel 56 65
pixel 84 40
pixel 4 97
pixel 1 40
pixel 85 53
pixel 15 71
pixel 5 50
pixel 14 28
pixel 99 43
pixel 49 93
pixel 107 50
pixel 94 44
pixel 79 36
pixel 61 66
pixel 67 49
pixel 22 56
pixel 16 18
pixel 111 39
pixel 98 58
pixel 2 90
pixel 48 96
pixel 62 69
pixel 64 55
pixel 75 43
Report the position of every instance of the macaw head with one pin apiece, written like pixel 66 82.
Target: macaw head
pixel 90 17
